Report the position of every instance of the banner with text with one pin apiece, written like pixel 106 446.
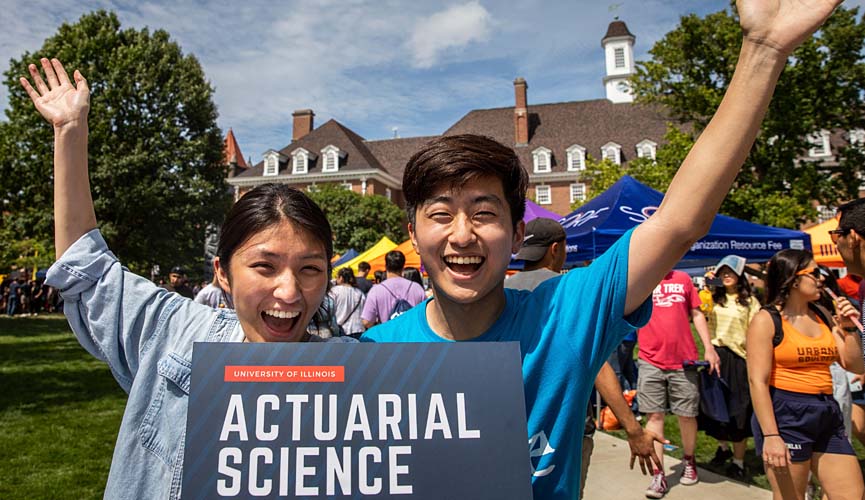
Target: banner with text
pixel 438 420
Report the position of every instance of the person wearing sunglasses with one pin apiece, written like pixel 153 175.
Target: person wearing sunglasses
pixel 797 424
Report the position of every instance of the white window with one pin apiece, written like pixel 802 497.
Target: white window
pixel 857 137
pixel 613 152
pixel 387 193
pixel 820 142
pixel 300 161
pixel 271 165
pixel 825 213
pixel 576 158
pixel 346 185
pixel 619 54
pixel 543 195
pixel 578 192
pixel 330 159
pixel 647 149
pixel 542 159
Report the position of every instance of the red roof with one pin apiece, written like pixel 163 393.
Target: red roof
pixel 232 151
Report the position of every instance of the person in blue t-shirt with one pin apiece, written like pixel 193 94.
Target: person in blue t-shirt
pixel 465 199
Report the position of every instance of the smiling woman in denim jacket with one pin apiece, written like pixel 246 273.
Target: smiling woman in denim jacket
pixel 273 257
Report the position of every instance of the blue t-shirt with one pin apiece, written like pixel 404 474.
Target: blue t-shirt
pixel 567 327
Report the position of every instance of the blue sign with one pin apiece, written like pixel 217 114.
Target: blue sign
pixel 432 421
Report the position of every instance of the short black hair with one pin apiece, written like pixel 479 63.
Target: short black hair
pixel 457 159
pixel 853 216
pixel 394 261
pixel 363 266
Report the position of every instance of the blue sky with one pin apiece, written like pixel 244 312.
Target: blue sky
pixel 374 65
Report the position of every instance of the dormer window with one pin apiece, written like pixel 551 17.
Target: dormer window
pixel 300 161
pixel 612 152
pixel 857 137
pixel 330 159
pixel 820 143
pixel 647 149
pixel 576 158
pixel 543 160
pixel 271 164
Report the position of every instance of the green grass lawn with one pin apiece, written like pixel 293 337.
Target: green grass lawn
pixel 60 410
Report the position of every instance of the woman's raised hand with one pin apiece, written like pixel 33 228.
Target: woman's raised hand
pixel 782 24
pixel 59 101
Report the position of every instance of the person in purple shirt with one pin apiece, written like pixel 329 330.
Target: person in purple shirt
pixel 382 298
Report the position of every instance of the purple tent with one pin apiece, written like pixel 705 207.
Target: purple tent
pixel 533 211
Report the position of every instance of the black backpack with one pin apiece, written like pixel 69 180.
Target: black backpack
pixel 819 310
pixel 400 307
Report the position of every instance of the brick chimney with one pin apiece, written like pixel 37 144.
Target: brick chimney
pixel 302 123
pixel 521 113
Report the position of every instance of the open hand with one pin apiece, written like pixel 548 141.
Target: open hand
pixel 782 24
pixel 59 101
pixel 643 449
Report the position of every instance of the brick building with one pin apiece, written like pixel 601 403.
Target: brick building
pixel 552 140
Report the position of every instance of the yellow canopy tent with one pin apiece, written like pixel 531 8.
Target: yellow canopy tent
pixel 412 259
pixel 383 246
pixel 825 252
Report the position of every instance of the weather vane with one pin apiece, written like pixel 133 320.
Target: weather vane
pixel 614 7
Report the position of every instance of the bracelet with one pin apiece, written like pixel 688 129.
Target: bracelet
pixel 770 435
pixel 851 329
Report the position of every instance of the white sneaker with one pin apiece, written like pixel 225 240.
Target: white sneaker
pixel 658 488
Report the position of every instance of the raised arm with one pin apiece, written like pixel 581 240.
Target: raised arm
pixel 772 30
pixel 65 106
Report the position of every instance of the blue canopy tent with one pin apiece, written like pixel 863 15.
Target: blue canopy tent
pixel 595 226
pixel 347 256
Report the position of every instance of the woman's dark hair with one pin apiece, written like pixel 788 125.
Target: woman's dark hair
pixel 455 160
pixel 743 291
pixel 379 276
pixel 347 276
pixel 412 274
pixel 781 274
pixel 268 205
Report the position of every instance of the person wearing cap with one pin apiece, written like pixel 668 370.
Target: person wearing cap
pixel 544 251
pixel 177 283
pixel 734 308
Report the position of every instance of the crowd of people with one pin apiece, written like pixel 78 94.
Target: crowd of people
pixel 22 294
pixel 465 202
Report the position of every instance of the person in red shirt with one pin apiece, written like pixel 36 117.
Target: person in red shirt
pixel 665 343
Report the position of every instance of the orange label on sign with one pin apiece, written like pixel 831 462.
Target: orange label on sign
pixel 285 374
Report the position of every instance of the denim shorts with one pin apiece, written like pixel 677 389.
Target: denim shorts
pixel 807 423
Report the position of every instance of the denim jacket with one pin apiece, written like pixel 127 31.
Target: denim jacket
pixel 145 334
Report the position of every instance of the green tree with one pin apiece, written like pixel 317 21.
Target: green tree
pixel 359 221
pixel 820 89
pixel 156 167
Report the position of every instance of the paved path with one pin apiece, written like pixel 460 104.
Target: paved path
pixel 610 478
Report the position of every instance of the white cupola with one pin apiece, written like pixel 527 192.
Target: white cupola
pixel 618 46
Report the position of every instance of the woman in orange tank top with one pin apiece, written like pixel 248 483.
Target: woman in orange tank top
pixel 797 424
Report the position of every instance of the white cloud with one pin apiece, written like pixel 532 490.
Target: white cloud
pixel 455 27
